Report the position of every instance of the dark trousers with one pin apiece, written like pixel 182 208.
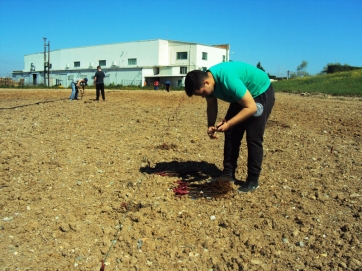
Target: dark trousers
pixel 100 89
pixel 254 128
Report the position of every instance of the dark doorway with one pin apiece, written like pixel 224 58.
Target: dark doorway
pixel 34 79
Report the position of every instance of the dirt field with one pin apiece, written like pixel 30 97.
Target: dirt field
pixel 80 183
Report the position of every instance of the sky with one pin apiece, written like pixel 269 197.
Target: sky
pixel 279 34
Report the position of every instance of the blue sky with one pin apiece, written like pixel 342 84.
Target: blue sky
pixel 278 33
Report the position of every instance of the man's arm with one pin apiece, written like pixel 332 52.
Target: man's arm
pixel 211 110
pixel 248 109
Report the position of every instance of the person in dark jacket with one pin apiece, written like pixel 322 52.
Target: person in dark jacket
pixel 99 82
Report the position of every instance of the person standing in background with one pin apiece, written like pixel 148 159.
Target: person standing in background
pixel 155 84
pixel 168 84
pixel 99 82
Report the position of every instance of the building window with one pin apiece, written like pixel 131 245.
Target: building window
pixel 183 70
pixel 223 58
pixel 132 61
pixel 181 55
pixel 102 63
pixel 204 69
pixel 204 56
pixel 76 64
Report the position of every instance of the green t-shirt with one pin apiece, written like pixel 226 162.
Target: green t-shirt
pixel 232 79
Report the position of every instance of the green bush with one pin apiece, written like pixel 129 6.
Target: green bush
pixel 333 68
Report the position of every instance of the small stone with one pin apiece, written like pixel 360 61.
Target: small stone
pixel 356 262
pixel 285 240
pixel 212 217
pixel 256 261
pixel 355 195
pixel 64 227
pixel 300 244
pixel 304 229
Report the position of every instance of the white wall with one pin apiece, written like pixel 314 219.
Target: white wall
pixel 145 52
pixel 150 55
pixel 214 55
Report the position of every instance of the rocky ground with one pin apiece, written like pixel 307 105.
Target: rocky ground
pixel 85 181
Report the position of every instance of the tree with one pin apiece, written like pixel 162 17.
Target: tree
pixel 301 69
pixel 260 67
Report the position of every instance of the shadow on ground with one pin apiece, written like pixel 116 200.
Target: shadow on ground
pixel 190 171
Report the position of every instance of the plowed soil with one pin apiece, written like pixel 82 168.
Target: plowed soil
pixel 84 181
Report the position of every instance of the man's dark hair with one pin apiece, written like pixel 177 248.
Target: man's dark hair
pixel 194 81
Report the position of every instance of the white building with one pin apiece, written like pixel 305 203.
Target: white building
pixel 129 63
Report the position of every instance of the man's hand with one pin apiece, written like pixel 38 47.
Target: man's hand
pixel 211 132
pixel 222 126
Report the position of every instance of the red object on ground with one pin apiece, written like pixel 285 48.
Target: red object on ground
pixel 181 189
pixel 124 205
pixel 103 266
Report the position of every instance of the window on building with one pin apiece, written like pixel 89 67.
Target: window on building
pixel 76 64
pixel 132 61
pixel 183 70
pixel 102 63
pixel 204 56
pixel 204 69
pixel 181 55
pixel 223 58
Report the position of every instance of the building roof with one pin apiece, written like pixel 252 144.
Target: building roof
pixel 176 41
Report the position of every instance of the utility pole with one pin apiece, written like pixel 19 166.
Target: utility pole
pixel 46 63
pixel 49 63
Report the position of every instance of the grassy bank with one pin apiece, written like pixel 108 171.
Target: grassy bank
pixel 339 84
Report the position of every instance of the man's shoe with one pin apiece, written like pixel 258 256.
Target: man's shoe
pixel 248 187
